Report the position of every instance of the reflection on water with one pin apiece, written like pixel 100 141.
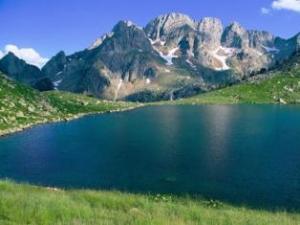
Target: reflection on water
pixel 219 119
pixel 244 154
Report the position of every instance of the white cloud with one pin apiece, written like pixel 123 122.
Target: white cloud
pixel 292 5
pixel 27 54
pixel 265 11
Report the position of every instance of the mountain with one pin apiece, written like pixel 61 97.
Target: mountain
pixel 19 70
pixel 279 86
pixel 173 56
pixel 208 43
pixel 115 66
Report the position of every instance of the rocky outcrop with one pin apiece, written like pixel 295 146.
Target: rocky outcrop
pixel 44 84
pixel 124 59
pixel 235 36
pixel 211 30
pixel 159 28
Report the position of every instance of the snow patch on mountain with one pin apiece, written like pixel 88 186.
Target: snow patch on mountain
pixel 132 24
pixel 118 89
pixel 148 81
pixel 170 56
pixel 57 83
pixel 270 50
pixel 222 54
pixel 157 41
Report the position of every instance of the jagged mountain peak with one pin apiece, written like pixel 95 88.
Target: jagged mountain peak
pixel 56 65
pixel 100 40
pixel 125 24
pixel 235 26
pixel 210 24
pixel 210 20
pixel 174 16
pixel 167 23
pixel 60 54
pixel 235 36
pixel 211 30
pixel 14 62
pixel 19 70
pixel 12 55
pixel 120 27
pixel 130 59
pixel 261 40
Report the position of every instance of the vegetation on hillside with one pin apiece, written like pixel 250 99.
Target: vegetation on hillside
pixel 279 89
pixel 25 204
pixel 281 86
pixel 22 106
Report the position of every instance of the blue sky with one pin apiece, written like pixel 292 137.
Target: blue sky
pixel 49 26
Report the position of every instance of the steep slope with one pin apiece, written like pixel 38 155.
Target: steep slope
pixel 116 66
pixel 172 54
pixel 21 105
pixel 209 44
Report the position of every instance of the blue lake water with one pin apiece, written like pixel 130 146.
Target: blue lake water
pixel 248 154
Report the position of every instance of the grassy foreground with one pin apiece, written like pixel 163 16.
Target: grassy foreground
pixel 24 204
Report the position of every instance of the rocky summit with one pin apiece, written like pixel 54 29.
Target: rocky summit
pixel 173 56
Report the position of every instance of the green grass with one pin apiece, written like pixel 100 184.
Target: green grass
pixel 282 88
pixel 21 106
pixel 25 204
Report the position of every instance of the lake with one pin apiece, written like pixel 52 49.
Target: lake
pixel 244 154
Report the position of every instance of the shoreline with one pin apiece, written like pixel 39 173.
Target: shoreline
pixel 12 131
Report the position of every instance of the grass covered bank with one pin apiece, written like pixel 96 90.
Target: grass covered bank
pixel 22 107
pixel 280 89
pixel 25 204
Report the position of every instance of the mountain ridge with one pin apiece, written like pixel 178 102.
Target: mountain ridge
pixel 172 53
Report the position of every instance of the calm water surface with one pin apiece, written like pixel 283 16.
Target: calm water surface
pixel 245 154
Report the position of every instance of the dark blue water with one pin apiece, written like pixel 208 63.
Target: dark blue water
pixel 245 154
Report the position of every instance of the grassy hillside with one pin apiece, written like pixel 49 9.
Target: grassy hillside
pixel 21 106
pixel 281 86
pixel 25 204
pixel 279 89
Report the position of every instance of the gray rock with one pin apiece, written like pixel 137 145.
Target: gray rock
pixel 160 27
pixel 211 30
pixel 235 36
